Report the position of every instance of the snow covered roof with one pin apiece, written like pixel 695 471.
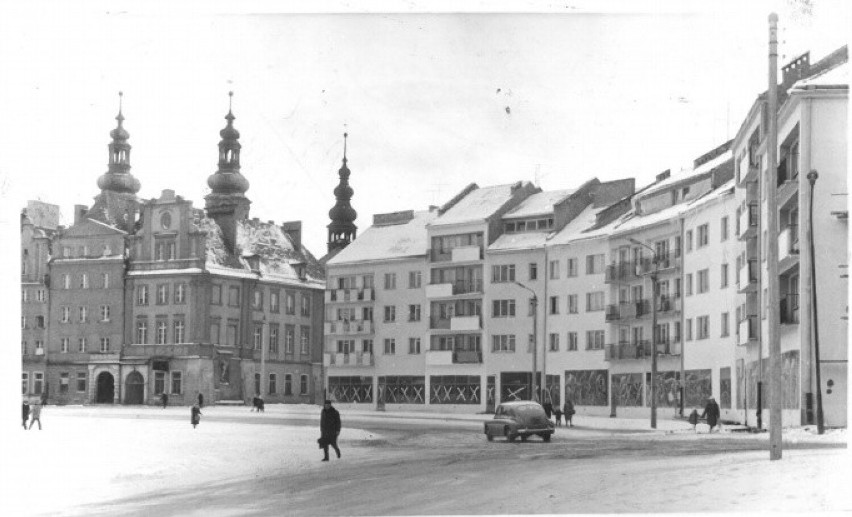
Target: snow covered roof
pixel 389 241
pixel 279 257
pixel 688 175
pixel 538 204
pixel 578 228
pixel 833 77
pixel 518 241
pixel 477 205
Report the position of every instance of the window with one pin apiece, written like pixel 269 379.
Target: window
pixel 274 301
pixel 180 293
pixel 257 299
pixel 38 382
pixel 503 343
pixel 595 301
pixel 288 384
pixel 290 303
pixel 66 314
pixel 161 332
pixel 367 346
pixel 39 323
pixel 142 295
pixel 40 295
pixel 104 344
pixel 572 304
pixel 179 331
pixel 689 329
pixel 688 241
pixel 554 269
pixel 305 340
pixel 572 267
pixel 24 347
pixel 572 342
pixel 303 384
pixel 257 336
pixel 390 281
pixel 81 344
pixel 726 328
pixel 502 274
pixel 503 308
pixel 39 344
pixel 414 345
pixel 703 281
pixel 703 327
pixel 533 271
pixel 81 381
pixel 141 331
pixel 594 339
pixel 390 346
pixel 232 334
pixel 177 377
pixel 724 275
pixel 273 338
pixel 25 383
pixel 689 284
pixel 104 312
pixel 724 228
pixel 84 281
pixel 24 296
pixel 214 333
pixel 84 314
pixel 554 342
pixel 66 251
pixel 306 306
pixel 216 294
pixel 415 278
pixel 23 322
pixel 345 346
pixel 63 345
pixel 66 281
pixel 554 305
pixel 289 338
pixel 594 264
pixel 390 313
pixel 272 388
pixel 703 235
pixel 234 296
pixel 414 313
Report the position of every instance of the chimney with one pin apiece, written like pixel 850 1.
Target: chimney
pixel 80 212
pixel 393 218
pixel 294 230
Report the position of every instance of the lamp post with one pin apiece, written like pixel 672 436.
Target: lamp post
pixel 534 389
pixel 263 339
pixel 653 332
pixel 812 177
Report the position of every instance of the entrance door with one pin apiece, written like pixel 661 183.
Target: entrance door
pixel 106 389
pixel 490 394
pixel 134 388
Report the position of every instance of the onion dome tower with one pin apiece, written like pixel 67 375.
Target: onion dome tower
pixel 342 229
pixel 227 203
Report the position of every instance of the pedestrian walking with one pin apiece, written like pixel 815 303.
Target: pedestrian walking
pixel 200 400
pixel 254 403
pixel 548 409
pixel 195 415
pixel 164 400
pixel 26 413
pixel 693 418
pixel 711 411
pixel 329 429
pixel 261 405
pixel 568 410
pixel 558 414
pixel 36 415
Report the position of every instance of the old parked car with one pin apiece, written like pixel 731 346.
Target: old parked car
pixel 521 418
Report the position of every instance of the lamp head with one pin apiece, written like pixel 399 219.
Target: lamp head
pixel 812 176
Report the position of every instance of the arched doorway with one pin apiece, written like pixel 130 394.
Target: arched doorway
pixel 106 388
pixel 134 388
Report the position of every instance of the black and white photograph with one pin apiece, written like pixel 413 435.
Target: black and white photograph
pixel 425 258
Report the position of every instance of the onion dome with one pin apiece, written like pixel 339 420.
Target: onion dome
pixel 118 177
pixel 228 180
pixel 342 229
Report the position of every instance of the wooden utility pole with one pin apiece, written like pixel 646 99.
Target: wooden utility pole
pixel 772 310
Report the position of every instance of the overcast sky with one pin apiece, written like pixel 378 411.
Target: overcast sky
pixel 431 102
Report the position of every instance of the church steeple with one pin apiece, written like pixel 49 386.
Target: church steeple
pixel 227 202
pixel 342 229
pixel 118 178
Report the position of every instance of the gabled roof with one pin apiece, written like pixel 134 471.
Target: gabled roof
pixel 538 204
pixel 393 241
pixel 687 176
pixel 477 205
pixel 837 77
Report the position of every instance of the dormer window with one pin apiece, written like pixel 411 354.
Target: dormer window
pixel 166 221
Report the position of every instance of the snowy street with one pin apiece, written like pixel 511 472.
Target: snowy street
pixel 150 461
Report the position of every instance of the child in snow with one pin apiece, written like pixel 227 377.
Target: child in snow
pixel 558 414
pixel 693 418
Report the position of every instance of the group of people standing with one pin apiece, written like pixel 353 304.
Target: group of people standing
pixel 567 411
pixel 711 413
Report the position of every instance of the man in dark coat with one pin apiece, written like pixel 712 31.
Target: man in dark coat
pixel 195 415
pixel 711 411
pixel 200 400
pixel 568 411
pixel 26 413
pixel 329 429
pixel 164 400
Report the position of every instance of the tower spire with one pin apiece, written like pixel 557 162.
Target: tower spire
pixel 342 229
pixel 118 177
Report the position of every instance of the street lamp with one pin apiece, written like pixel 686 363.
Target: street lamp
pixel 812 177
pixel 653 332
pixel 534 391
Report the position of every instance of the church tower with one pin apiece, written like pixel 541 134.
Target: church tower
pixel 342 229
pixel 226 204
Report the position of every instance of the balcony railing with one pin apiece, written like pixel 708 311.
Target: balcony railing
pixel 748 330
pixel 748 275
pixel 665 262
pixel 351 327
pixel 348 359
pixel 612 312
pixel 350 295
pixel 788 242
pixel 467 286
pixel 668 303
pixel 467 357
pixel 790 309
pixel 619 272
pixel 749 219
pixel 460 254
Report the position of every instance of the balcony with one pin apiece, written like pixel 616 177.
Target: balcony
pixel 788 248
pixel 787 187
pixel 350 359
pixel 466 323
pixel 612 312
pixel 667 262
pixel 790 309
pixel 459 287
pixel 348 328
pixel 618 273
pixel 439 357
pixel 627 351
pixel 669 347
pixel 467 357
pixel 667 304
pixel 466 254
pixel 748 330
pixel 350 295
pixel 749 219
pixel 439 290
pixel 748 277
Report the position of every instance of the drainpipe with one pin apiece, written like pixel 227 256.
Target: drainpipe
pixel 805 281
pixel 544 340
pixel 682 384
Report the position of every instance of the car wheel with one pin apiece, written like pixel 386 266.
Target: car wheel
pixel 546 437
pixel 510 436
